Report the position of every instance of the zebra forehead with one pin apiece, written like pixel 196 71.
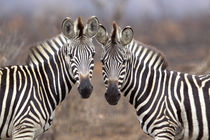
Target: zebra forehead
pixel 115 51
pixel 82 44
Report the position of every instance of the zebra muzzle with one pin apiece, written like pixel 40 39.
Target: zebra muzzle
pixel 112 94
pixel 85 88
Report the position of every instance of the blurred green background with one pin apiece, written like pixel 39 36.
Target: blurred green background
pixel 180 29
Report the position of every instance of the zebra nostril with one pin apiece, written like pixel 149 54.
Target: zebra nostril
pixel 91 87
pixel 71 56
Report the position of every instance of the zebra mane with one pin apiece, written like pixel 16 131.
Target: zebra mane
pixel 160 55
pixel 45 49
pixel 114 33
pixel 80 26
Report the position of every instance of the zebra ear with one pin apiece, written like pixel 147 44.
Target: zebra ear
pixel 102 35
pixel 92 26
pixel 67 28
pixel 126 35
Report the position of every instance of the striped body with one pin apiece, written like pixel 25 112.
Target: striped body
pixel 29 95
pixel 168 104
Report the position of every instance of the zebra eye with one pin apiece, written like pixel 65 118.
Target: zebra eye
pixel 102 61
pixel 124 61
pixel 71 56
pixel 93 54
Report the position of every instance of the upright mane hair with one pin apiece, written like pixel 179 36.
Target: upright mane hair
pixel 80 26
pixel 114 33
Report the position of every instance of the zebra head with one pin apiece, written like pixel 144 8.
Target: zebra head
pixel 115 56
pixel 80 51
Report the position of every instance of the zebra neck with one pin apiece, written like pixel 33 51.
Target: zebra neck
pixel 45 49
pixel 137 80
pixel 147 55
pixel 54 79
pixel 141 84
pixel 145 62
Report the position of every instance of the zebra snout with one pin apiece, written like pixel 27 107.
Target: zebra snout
pixel 85 88
pixel 112 94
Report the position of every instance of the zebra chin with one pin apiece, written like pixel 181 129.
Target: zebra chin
pixel 85 88
pixel 112 94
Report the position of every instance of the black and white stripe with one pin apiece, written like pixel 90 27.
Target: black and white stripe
pixel 29 96
pixel 30 93
pixel 169 104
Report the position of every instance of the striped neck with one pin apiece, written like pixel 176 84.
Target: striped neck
pixel 147 55
pixel 144 61
pixel 54 78
pixel 46 49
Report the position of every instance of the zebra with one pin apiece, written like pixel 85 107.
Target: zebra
pixel 169 104
pixel 29 94
pixel 74 35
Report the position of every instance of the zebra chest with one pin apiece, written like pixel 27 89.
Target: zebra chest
pixel 40 123
pixel 160 123
pixel 43 125
pixel 49 121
